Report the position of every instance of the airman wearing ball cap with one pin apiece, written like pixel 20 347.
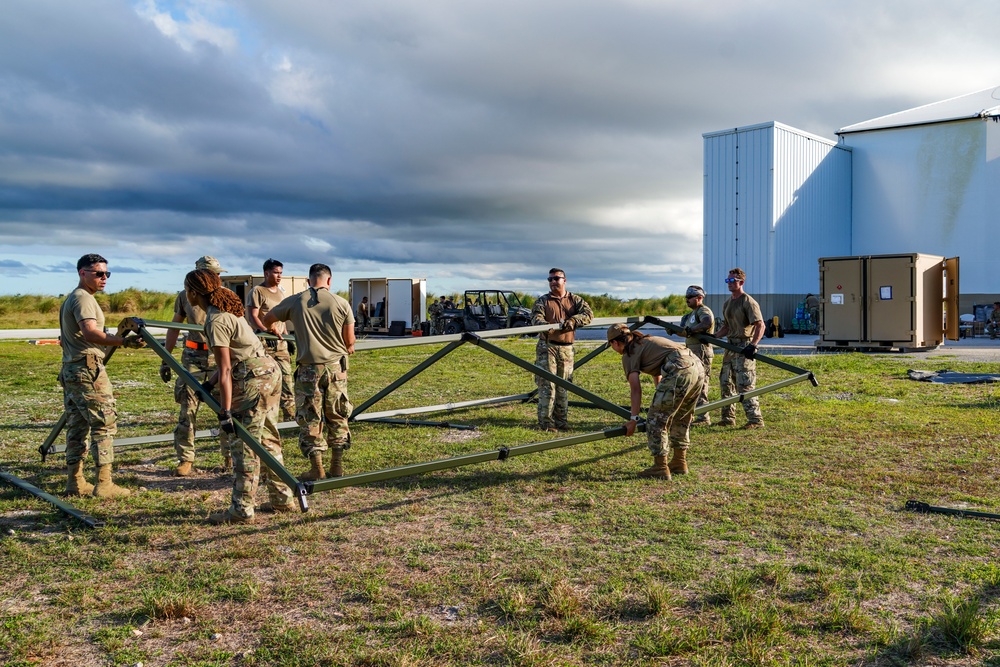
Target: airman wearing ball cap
pixel 199 363
pixel 700 320
pixel 678 376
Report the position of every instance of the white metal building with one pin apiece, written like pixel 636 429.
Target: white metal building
pixel 924 180
pixel 775 200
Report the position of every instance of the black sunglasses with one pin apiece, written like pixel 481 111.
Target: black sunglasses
pixel 556 278
pixel 99 274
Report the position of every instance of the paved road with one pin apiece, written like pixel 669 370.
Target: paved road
pixel 980 349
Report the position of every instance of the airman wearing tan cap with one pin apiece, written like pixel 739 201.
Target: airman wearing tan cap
pixel 196 359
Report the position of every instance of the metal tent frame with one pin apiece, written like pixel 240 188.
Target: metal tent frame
pixel 452 342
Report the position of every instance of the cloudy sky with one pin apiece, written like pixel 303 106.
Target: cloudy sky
pixel 471 142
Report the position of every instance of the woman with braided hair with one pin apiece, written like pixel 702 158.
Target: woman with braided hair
pixel 678 375
pixel 249 390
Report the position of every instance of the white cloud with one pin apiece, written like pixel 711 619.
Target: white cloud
pixel 193 29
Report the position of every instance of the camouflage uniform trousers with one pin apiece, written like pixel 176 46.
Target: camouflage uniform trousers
pixel 256 393
pixel 668 420
pixel 322 407
pixel 739 375
pixel 90 411
pixel 280 354
pixel 198 363
pixel 553 400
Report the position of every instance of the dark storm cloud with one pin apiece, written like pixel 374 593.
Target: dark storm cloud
pixel 451 138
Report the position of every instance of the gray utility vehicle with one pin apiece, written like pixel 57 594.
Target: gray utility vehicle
pixel 485 309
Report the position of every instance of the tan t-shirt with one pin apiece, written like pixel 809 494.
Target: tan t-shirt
pixel 227 330
pixel 740 314
pixel 648 355
pixel 319 318
pixel 79 305
pixel 191 313
pixel 262 298
pixel 694 318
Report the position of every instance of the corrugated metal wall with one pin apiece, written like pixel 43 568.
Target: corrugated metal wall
pixel 812 208
pixel 737 204
pixel 775 200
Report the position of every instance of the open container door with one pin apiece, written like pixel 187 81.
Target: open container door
pixel 951 298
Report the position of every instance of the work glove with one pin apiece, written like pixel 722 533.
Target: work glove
pixel 226 424
pixel 750 351
pixel 569 325
pixel 133 342
pixel 205 390
pixel 291 348
pixel 165 373
pixel 688 332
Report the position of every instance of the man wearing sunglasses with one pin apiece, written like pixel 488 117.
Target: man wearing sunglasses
pixel 554 350
pixel 744 325
pixel 87 394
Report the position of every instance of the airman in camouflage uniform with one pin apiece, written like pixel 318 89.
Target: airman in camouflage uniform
pixel 744 325
pixel 993 321
pixel 324 336
pixel 254 390
pixel 679 376
pixel 260 300
pixel 554 350
pixel 87 393
pixel 434 312
pixel 196 360
pixel 364 319
pixel 699 320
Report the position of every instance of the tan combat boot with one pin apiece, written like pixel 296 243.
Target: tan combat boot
pixel 316 472
pixel 105 487
pixel 337 462
pixel 658 470
pixel 678 464
pixel 219 518
pixel 76 484
pixel 184 469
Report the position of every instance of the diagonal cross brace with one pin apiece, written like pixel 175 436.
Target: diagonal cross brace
pixel 409 375
pixel 546 375
pixel 138 326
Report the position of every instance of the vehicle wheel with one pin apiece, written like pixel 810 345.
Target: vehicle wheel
pixel 519 323
pixel 452 328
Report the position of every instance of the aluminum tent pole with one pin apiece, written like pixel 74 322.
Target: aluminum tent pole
pixel 726 345
pixel 500 454
pixel 64 507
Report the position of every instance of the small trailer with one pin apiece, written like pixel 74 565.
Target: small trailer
pixel 396 306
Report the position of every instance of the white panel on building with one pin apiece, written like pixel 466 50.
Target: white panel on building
pixel 775 200
pixel 930 188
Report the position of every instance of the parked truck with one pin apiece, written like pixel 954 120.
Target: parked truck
pixel 485 309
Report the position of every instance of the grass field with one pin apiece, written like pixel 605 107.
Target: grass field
pixel 785 546
pixel 31 311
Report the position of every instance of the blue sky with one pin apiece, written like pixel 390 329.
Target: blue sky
pixel 471 143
